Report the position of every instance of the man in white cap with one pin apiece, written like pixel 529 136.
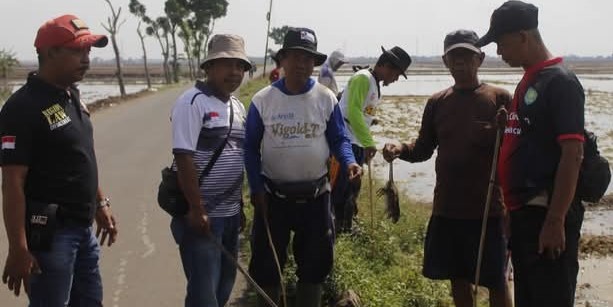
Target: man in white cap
pixel 50 176
pixel 208 130
pixel 330 66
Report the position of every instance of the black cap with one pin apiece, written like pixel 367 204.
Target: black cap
pixel 461 39
pixel 303 39
pixel 400 58
pixel 510 17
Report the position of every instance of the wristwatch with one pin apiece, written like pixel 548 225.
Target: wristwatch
pixel 105 202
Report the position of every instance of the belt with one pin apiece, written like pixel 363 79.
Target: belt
pixel 302 191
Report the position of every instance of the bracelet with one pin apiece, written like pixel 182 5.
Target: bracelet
pixel 105 202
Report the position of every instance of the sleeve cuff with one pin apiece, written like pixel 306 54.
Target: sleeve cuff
pixel 182 151
pixel 575 136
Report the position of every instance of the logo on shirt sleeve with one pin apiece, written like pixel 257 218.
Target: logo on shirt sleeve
pixel 370 110
pixel 212 116
pixel 8 142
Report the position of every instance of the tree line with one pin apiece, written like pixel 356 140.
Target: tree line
pixel 189 22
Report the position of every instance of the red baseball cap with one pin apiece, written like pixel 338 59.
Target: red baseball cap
pixel 67 31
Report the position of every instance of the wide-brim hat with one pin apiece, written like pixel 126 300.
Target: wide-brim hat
pixel 67 31
pixel 400 58
pixel 302 39
pixel 226 46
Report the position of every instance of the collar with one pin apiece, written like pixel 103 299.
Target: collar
pixel 209 91
pixel 204 88
pixel 532 70
pixel 466 90
pixel 46 88
pixel 377 81
pixel 280 84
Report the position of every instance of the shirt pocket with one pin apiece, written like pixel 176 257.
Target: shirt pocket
pixel 482 133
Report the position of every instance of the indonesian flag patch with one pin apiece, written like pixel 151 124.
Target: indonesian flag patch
pixel 8 142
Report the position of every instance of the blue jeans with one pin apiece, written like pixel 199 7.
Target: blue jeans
pixel 210 274
pixel 70 274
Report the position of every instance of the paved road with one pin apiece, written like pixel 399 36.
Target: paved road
pixel 133 143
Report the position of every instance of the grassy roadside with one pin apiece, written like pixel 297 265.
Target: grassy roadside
pixel 382 265
pixel 249 89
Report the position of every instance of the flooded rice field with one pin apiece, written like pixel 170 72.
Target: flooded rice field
pixel 403 103
pixel 418 85
pixel 96 90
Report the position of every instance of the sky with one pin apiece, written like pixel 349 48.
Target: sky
pixel 356 27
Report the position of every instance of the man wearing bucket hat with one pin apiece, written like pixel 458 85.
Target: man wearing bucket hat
pixel 540 160
pixel 50 177
pixel 358 105
pixel 208 127
pixel 459 123
pixel 293 126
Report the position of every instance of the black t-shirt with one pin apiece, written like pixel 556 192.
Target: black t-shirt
pixel 548 108
pixel 48 130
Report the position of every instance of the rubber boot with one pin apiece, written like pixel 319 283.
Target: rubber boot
pixel 308 295
pixel 273 292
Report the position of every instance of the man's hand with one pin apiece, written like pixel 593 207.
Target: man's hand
pixel 106 226
pixel 369 153
pixel 392 151
pixel 501 118
pixel 355 172
pixel 198 220
pixel 19 266
pixel 260 202
pixel 552 240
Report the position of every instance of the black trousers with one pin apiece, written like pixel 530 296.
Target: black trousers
pixel 312 244
pixel 540 281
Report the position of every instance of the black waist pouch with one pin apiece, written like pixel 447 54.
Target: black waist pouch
pixel 41 224
pixel 298 190
pixel 170 195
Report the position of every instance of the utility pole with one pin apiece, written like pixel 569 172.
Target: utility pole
pixel 267 34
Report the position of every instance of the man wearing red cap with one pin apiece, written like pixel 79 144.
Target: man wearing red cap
pixel 50 176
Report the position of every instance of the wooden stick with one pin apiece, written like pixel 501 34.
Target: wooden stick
pixel 486 211
pixel 247 276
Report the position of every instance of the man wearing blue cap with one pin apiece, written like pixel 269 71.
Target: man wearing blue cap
pixel 540 160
